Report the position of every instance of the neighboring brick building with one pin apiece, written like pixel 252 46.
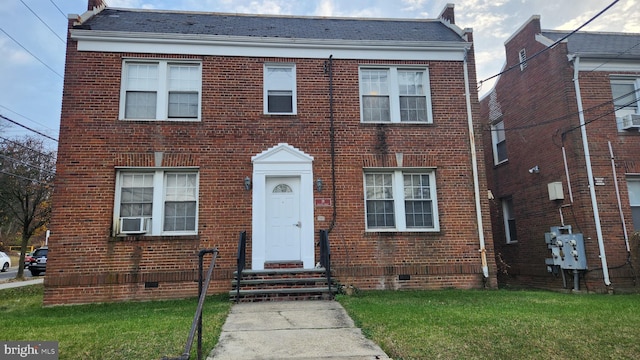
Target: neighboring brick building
pixel 179 130
pixel 545 113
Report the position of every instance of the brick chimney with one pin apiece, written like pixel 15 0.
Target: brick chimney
pixel 95 4
pixel 447 14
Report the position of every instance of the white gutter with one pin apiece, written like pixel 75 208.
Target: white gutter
pixel 474 164
pixel 587 157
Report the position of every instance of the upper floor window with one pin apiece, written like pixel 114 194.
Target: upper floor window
pixel 401 201
pixel 499 142
pixel 280 89
pixel 160 202
pixel 625 101
pixel 160 90
pixel 633 185
pixel 395 94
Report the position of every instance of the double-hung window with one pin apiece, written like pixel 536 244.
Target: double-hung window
pixel 280 89
pixel 394 95
pixel 633 184
pixel 156 202
pixel 626 94
pixel 509 220
pixel 401 201
pixel 160 90
pixel 499 142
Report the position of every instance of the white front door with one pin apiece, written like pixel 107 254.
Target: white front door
pixel 283 221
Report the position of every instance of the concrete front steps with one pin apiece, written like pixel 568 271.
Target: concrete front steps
pixel 282 284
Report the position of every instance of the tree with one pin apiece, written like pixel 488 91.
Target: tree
pixel 27 170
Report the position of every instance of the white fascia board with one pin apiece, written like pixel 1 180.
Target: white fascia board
pixel 102 41
pixel 608 65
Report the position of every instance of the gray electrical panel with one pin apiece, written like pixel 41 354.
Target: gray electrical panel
pixel 567 249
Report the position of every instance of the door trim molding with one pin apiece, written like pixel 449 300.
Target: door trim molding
pixel 282 160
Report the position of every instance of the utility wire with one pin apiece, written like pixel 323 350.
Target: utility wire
pixel 28 148
pixel 30 53
pixel 550 46
pixel 26 178
pixel 61 12
pixel 27 164
pixel 28 128
pixel 42 21
pixel 33 121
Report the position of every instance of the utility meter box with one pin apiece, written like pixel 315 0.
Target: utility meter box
pixel 555 191
pixel 567 249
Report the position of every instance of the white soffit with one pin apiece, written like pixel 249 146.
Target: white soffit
pixel 104 41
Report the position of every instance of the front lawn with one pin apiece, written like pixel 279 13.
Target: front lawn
pixel 131 330
pixel 462 324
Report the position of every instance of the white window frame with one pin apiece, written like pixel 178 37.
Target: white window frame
pixel 620 113
pixel 399 199
pixel 162 90
pixel 498 136
pixel 159 199
pixel 394 93
pixel 632 204
pixel 270 86
pixel 507 216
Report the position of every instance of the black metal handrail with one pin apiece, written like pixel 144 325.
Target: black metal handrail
pixel 325 255
pixel 202 294
pixel 241 260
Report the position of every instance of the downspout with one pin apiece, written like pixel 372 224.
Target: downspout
pixel 615 182
pixel 587 157
pixel 474 164
pixel 332 139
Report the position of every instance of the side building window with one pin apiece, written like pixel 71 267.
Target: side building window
pixel 160 202
pixel 394 95
pixel 280 96
pixel 160 90
pixel 509 220
pixel 401 201
pixel 634 201
pixel 499 142
pixel 625 102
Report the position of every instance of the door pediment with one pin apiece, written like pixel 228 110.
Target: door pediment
pixel 282 153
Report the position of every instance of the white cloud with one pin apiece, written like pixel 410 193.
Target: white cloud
pixel 325 8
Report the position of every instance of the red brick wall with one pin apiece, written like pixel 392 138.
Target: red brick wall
pixel 86 264
pixel 540 116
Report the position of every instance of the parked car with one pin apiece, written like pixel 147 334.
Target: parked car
pixel 38 262
pixel 5 262
pixel 27 259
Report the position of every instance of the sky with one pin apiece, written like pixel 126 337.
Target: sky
pixel 33 36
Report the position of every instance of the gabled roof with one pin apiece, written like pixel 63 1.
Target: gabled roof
pixel 599 44
pixel 268 26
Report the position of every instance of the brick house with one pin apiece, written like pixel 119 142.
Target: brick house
pixel 179 130
pixel 562 152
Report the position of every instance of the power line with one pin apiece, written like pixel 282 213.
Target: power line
pixel 26 178
pixel 550 46
pixel 61 12
pixel 30 53
pixel 42 21
pixel 27 164
pixel 28 128
pixel 33 121
pixel 28 148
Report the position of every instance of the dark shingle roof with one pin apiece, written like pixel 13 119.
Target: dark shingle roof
pixel 195 23
pixel 599 43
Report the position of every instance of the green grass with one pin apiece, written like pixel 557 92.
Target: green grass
pixel 131 330
pixel 462 324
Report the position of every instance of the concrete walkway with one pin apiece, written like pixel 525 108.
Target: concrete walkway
pixel 14 284
pixel 292 330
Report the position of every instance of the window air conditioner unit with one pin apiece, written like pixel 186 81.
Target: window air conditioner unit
pixel 133 225
pixel 631 121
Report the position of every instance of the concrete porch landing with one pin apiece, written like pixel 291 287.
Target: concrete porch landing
pixel 292 330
